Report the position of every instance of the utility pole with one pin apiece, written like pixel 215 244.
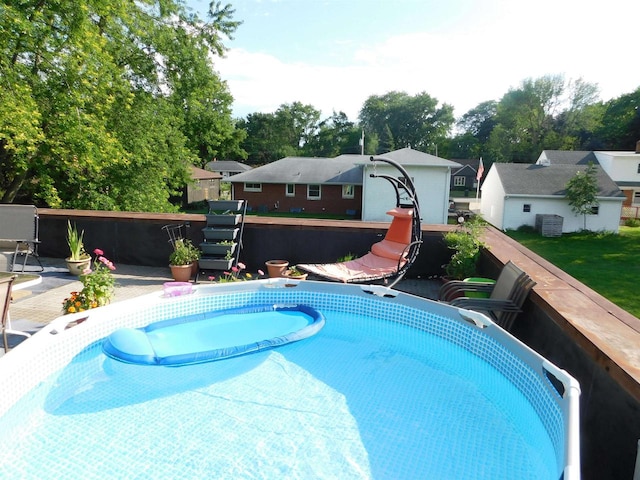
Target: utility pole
pixel 362 143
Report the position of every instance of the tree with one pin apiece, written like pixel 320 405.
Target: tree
pixel 264 141
pixel 475 126
pixel 335 135
pixel 620 126
pixel 582 192
pixel 106 104
pixel 271 136
pixel 543 113
pixel 400 120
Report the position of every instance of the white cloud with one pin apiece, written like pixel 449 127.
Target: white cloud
pixel 461 67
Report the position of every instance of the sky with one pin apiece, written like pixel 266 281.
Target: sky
pixel 334 54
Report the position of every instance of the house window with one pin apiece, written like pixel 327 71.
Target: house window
pixel 405 180
pixel 639 168
pixel 595 210
pixel 252 187
pixel 348 191
pixel 290 190
pixel 459 181
pixel 636 197
pixel 526 208
pixel 313 192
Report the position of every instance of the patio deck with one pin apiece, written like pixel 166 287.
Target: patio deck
pixel 32 309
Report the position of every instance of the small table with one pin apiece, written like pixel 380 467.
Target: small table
pixel 23 280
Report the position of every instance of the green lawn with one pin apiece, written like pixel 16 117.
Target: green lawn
pixel 608 263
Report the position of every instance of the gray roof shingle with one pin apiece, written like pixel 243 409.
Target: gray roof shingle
pixel 569 157
pixel 305 170
pixel 226 166
pixel 538 180
pixel 343 169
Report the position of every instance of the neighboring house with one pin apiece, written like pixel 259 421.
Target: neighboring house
pixel 226 168
pixel 514 193
pixel 205 186
pixel 464 179
pixel 297 184
pixel 431 176
pixel 622 167
pixel 342 185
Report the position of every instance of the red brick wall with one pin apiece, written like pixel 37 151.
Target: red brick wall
pixel 273 195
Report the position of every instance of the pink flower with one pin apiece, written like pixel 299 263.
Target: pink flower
pixel 86 271
pixel 260 272
pixel 241 266
pixel 106 262
pixel 235 269
pixel 97 251
pixel 212 278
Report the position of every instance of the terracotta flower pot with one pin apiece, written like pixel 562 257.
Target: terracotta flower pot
pixel 276 268
pixel 181 273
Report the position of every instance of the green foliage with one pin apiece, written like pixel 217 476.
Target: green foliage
pixel 400 120
pixel 335 135
pixel 606 262
pixel 542 113
pixel 184 253
pixel 98 287
pixel 75 243
pixel 582 192
pixel 632 222
pixel 620 126
pixel 466 244
pixel 105 105
pixel 272 136
pixel 293 271
pixel 99 284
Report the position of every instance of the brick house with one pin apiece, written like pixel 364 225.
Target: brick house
pixel 343 185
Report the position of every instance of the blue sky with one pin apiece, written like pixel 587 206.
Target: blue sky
pixel 334 54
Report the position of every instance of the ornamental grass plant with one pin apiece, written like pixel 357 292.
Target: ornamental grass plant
pixel 75 243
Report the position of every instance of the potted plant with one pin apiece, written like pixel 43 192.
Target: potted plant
pixel 98 286
pixel 293 272
pixel 223 248
pixel 181 260
pixel 276 268
pixel 78 260
pixel 466 244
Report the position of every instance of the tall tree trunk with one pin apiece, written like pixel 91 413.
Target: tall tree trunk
pixel 14 187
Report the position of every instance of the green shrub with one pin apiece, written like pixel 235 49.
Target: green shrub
pixel 345 258
pixel 466 244
pixel 632 222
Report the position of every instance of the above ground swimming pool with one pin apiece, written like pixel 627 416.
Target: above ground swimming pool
pixel 392 387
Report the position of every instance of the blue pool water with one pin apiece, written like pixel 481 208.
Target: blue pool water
pixel 364 398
